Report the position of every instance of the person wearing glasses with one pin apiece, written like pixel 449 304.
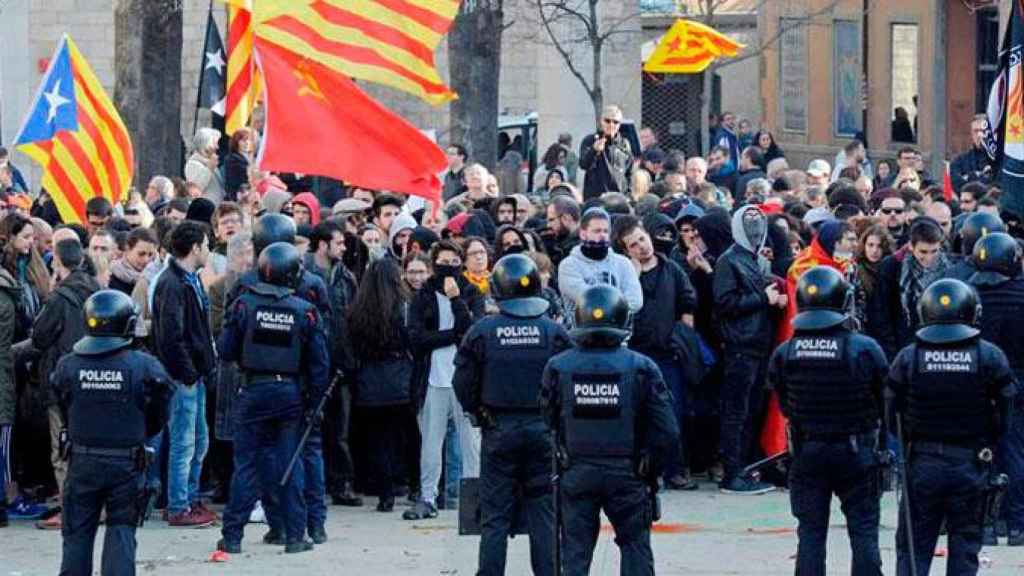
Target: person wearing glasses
pixel 892 210
pixel 607 157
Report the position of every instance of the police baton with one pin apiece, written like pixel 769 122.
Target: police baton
pixel 309 429
pixel 556 484
pixel 905 482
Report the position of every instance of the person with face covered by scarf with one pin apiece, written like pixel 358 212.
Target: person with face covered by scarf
pixel 510 240
pixel 745 294
pixel 593 262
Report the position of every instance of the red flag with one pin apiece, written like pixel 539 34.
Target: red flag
pixel 319 122
pixel 947 185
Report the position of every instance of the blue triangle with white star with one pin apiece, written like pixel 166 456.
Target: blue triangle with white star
pixel 55 109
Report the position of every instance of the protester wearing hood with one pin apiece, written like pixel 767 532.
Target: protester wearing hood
pixel 669 299
pixel 505 211
pixel 510 240
pixel 744 297
pixel 686 234
pixel 662 231
pixel 274 200
pixel 479 224
pixel 833 246
pixel 778 249
pixel 422 240
pixel 592 262
pixel 306 209
pixel 398 235
pixel 903 278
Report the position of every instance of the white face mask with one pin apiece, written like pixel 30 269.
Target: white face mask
pixel 842 255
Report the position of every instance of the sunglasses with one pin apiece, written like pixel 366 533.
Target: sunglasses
pixel 889 211
pixel 611 121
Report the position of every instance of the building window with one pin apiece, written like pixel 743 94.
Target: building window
pixel 847 97
pixel 793 75
pixel 904 82
pixel 988 56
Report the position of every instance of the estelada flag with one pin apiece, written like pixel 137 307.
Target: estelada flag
pixel 689 47
pixel 74 132
pixel 319 122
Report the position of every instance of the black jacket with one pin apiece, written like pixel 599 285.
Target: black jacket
pixel 741 306
pixel 61 323
pixel 668 295
pixel 181 328
pixel 608 171
pixel 384 378
pixel 739 191
pixel 341 290
pixel 236 173
pixel 424 320
pixel 972 166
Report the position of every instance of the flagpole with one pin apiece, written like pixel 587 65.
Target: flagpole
pixel 199 89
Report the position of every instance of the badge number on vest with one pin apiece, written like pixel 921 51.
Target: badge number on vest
pixel 596 396
pixel 947 361
pixel 100 380
pixel 274 326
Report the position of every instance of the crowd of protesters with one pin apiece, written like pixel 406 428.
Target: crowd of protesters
pixel 405 282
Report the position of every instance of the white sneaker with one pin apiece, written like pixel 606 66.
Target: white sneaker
pixel 257 516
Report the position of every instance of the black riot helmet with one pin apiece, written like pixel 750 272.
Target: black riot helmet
pixel 822 299
pixel 976 227
pixel 280 264
pixel 515 285
pixel 602 317
pixel 997 258
pixel 272 228
pixel 949 312
pixel 109 323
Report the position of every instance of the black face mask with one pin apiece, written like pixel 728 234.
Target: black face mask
pixel 595 250
pixel 663 245
pixel 441 271
pixel 515 249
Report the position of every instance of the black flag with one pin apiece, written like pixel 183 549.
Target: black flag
pixel 213 75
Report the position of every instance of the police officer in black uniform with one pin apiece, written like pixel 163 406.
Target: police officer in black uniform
pixel 830 382
pixel 952 392
pixel 498 372
pixel 113 399
pixel 614 424
pixel 1000 287
pixel 975 227
pixel 269 229
pixel 278 341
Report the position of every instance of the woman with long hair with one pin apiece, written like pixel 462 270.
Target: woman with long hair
pixel 10 311
pixel 380 341
pixel 23 262
pixel 766 141
pixel 874 245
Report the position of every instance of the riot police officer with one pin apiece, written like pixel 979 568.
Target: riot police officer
pixel 498 371
pixel 952 392
pixel 975 227
pixel 278 341
pixel 614 424
pixel 830 381
pixel 269 229
pixel 100 382
pixel 1000 287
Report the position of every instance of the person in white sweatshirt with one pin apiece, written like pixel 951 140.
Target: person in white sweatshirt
pixel 593 262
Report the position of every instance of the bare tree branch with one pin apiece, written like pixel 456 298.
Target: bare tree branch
pixel 561 49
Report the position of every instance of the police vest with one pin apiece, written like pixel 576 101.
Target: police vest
pixel 273 334
pixel 946 401
pixel 1000 324
pixel 517 351
pixel 824 396
pixel 108 401
pixel 598 403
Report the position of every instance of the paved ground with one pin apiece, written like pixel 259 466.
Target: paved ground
pixel 703 533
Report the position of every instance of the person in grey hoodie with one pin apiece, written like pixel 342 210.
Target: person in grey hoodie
pixel 592 262
pixel 745 293
pixel 398 235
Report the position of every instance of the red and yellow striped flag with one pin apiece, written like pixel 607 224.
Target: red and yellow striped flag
pixel 74 132
pixel 242 82
pixel 390 42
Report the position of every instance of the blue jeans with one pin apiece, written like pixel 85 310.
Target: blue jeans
pixel 312 463
pixel 156 444
pixel 188 440
pixel 452 463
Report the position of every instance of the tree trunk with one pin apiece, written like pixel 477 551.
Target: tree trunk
pixel 147 92
pixel 474 62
